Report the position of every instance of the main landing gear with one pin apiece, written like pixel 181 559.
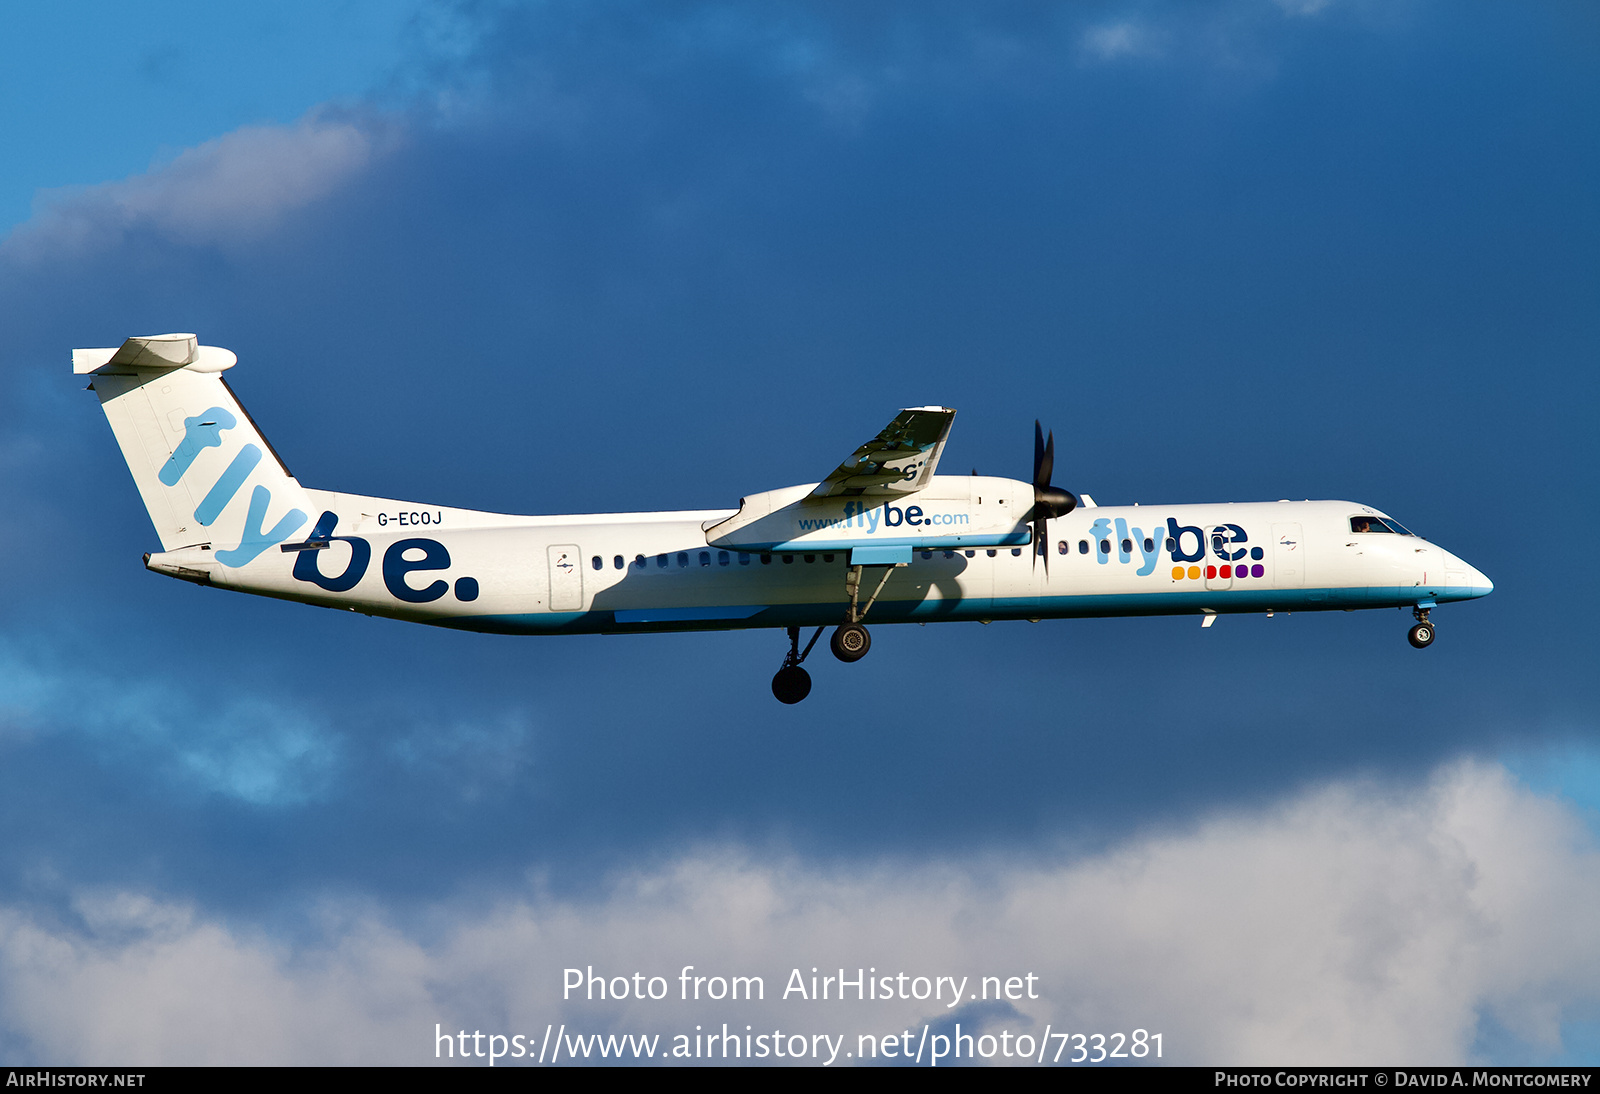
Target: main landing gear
pixel 850 641
pixel 793 683
pixel 1421 636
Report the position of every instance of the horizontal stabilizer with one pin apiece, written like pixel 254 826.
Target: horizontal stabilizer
pixel 156 352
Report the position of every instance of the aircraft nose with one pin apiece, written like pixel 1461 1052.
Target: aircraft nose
pixel 1477 581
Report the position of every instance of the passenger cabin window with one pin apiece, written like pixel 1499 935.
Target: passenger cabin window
pixel 766 560
pixel 1017 551
pixel 744 558
pixel 638 562
pixel 598 565
pixel 1127 546
pixel 1149 545
pixel 1062 548
pixel 683 559
pixel 618 563
pixel 722 558
pixel 705 558
pixel 1083 546
pixel 1105 546
pixel 661 562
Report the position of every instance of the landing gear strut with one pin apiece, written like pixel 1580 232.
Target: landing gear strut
pixel 850 642
pixel 793 683
pixel 1421 636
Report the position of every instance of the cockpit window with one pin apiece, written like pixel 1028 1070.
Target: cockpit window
pixel 1378 524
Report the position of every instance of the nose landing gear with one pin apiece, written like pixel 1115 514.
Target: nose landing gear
pixel 1421 635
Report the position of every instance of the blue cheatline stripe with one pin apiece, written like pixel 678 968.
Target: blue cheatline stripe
pixel 228 485
pixel 1083 606
pixel 688 615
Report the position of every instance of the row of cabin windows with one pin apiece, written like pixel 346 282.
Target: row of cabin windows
pixel 1064 547
pixel 724 558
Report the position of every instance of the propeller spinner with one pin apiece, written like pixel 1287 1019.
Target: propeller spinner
pixel 1048 501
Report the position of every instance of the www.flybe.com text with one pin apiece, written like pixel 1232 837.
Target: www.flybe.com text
pixel 887 516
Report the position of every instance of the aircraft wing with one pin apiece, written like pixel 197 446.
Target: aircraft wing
pixel 899 460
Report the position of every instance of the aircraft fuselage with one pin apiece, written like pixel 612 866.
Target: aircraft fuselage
pixel 627 572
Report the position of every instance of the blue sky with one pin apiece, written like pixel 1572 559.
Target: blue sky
pixel 584 257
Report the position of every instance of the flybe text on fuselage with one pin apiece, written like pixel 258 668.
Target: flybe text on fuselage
pixel 1114 539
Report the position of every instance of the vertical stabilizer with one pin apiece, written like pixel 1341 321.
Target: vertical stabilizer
pixel 207 476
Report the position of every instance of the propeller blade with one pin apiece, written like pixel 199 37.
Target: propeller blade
pixel 1048 501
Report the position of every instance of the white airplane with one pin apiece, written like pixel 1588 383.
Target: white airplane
pixel 881 535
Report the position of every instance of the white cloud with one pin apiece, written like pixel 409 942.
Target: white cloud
pixel 1347 926
pixel 1113 41
pixel 234 189
pixel 1302 7
pixel 264 750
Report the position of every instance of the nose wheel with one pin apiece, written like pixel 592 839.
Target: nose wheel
pixel 1421 635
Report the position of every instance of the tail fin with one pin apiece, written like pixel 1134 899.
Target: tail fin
pixel 207 476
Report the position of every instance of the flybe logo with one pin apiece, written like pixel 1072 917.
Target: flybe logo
pixel 1185 545
pixel 205 431
pixel 403 558
pixel 400 560
pixel 870 520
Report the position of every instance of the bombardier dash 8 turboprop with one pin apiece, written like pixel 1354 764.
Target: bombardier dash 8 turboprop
pixel 881 535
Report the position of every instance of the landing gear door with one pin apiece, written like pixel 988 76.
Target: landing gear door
pixel 566 578
pixel 1288 557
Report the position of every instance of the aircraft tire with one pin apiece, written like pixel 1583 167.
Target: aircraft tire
pixel 1421 636
pixel 850 642
pixel 791 684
